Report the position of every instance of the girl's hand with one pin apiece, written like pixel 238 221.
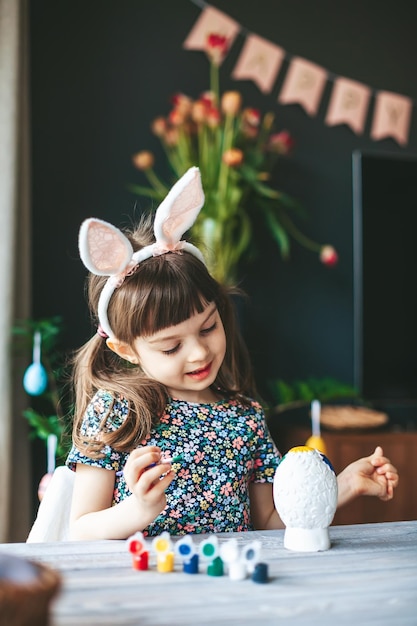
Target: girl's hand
pixel 379 476
pixel 148 478
pixel 93 515
pixel 370 476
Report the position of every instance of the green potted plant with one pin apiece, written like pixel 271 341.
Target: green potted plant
pixel 298 394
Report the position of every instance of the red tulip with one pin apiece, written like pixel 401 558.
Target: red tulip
pixel 182 103
pixel 213 117
pixel 328 256
pixel 208 98
pixel 217 47
pixel 281 143
pixel 251 116
pixel 176 117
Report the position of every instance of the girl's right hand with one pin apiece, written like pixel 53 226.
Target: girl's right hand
pixel 148 478
pixel 93 515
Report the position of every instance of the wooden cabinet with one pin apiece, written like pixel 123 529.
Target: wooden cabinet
pixel 343 447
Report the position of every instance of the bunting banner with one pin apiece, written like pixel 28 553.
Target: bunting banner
pixel 304 83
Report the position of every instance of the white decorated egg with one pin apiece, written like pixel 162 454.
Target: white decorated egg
pixel 305 496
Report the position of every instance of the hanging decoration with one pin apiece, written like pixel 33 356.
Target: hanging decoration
pixel 261 61
pixel 35 379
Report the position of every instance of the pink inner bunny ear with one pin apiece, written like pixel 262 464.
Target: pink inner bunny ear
pixel 104 249
pixel 178 212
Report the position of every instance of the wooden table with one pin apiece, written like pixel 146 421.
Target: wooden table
pixel 369 576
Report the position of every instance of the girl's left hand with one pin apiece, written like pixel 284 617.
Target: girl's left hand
pixel 382 477
pixel 370 476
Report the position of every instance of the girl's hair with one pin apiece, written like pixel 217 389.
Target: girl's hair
pixel 163 291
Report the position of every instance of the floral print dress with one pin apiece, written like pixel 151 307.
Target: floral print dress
pixel 224 447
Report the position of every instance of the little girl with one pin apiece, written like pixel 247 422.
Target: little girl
pixel 167 375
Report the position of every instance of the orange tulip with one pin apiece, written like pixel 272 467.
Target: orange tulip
pixel 231 102
pixel 199 112
pixel 233 157
pixel 143 160
pixel 159 126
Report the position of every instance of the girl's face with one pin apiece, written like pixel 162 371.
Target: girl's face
pixel 187 357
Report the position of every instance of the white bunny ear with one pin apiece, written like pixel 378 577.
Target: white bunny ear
pixel 104 249
pixel 179 210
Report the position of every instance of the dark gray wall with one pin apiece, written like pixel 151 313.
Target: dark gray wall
pixel 102 70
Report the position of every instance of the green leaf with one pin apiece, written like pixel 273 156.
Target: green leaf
pixel 266 191
pixel 249 174
pixel 283 392
pixel 145 191
pixel 325 389
pixel 293 204
pixel 278 232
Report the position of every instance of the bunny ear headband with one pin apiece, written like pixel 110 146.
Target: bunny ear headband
pixel 106 251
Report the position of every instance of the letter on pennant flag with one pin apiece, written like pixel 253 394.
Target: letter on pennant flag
pixel 392 117
pixel 211 21
pixel 348 104
pixel 260 61
pixel 304 84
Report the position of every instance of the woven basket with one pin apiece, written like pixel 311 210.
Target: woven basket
pixel 340 417
pixel 26 591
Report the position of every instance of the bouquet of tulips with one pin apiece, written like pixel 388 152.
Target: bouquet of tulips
pixel 236 149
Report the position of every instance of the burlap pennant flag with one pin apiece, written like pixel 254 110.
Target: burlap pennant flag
pixel 304 84
pixel 392 117
pixel 348 104
pixel 211 21
pixel 260 61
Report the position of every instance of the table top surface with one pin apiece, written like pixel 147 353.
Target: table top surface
pixel 368 576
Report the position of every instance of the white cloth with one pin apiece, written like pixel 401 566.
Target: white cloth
pixel 52 520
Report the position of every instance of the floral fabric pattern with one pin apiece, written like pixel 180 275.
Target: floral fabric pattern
pixel 225 446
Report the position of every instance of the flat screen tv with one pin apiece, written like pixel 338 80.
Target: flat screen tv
pixel 385 280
